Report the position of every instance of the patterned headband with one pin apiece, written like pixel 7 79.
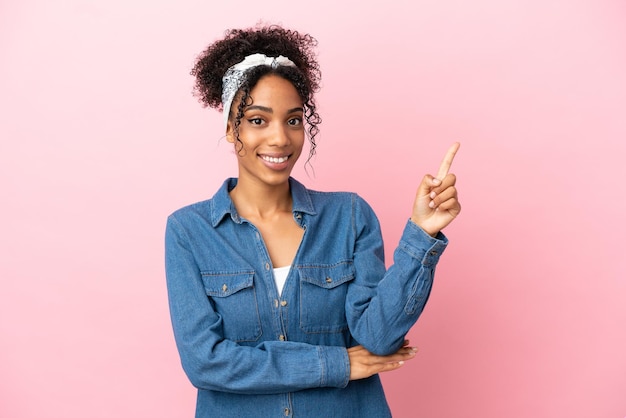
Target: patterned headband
pixel 235 75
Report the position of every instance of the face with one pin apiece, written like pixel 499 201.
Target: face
pixel 271 130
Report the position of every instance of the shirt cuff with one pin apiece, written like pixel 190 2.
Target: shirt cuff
pixel 420 245
pixel 335 366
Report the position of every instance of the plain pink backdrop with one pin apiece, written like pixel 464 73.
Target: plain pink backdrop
pixel 101 140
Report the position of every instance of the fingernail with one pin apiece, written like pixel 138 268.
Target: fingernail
pixel 400 363
pixel 433 195
pixel 431 204
pixel 436 181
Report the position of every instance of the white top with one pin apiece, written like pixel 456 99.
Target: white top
pixel 280 276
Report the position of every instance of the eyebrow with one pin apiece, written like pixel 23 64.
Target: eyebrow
pixel 270 110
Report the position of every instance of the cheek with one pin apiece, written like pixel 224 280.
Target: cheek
pixel 247 139
pixel 298 138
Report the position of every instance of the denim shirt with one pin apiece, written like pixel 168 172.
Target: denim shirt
pixel 253 353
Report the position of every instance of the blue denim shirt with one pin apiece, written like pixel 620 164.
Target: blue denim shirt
pixel 253 353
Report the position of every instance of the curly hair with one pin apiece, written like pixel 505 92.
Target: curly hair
pixel 217 58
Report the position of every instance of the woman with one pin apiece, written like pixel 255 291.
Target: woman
pixel 280 300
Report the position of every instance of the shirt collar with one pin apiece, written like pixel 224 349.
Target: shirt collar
pixel 222 204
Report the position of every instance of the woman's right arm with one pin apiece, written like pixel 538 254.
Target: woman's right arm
pixel 215 363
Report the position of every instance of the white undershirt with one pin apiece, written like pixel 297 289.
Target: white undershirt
pixel 280 276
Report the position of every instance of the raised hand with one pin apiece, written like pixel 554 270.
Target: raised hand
pixel 364 364
pixel 436 201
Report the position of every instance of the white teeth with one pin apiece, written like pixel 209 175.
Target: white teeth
pixel 274 159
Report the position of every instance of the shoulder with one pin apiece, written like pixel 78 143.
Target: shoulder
pixel 198 211
pixel 348 198
pixel 192 208
pixel 340 201
pixel 332 196
pixel 210 210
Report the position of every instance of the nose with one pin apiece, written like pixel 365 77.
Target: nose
pixel 280 136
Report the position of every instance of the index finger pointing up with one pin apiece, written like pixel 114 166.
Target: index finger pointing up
pixel 447 161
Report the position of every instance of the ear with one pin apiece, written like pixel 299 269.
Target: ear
pixel 230 134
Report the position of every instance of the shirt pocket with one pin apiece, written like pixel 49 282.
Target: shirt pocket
pixel 323 291
pixel 233 296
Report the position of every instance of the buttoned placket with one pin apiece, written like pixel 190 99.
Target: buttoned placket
pixel 281 303
pixel 278 304
pixel 270 285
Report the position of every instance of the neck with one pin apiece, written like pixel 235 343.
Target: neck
pixel 261 200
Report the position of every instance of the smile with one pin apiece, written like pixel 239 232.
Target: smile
pixel 275 160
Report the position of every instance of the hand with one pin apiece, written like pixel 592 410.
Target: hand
pixel 436 201
pixel 364 364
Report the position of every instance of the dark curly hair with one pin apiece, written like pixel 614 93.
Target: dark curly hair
pixel 212 63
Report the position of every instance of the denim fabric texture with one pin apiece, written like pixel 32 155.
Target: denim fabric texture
pixel 251 353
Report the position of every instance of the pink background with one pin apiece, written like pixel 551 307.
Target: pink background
pixel 101 140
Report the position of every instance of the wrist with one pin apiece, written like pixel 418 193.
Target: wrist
pixel 426 230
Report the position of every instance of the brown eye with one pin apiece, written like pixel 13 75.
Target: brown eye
pixel 294 121
pixel 255 121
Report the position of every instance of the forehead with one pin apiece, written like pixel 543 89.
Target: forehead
pixel 275 91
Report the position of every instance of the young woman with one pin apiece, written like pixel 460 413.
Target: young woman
pixel 279 297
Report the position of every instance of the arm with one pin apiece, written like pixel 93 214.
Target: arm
pixel 215 363
pixel 380 314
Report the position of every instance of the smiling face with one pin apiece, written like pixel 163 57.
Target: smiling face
pixel 271 131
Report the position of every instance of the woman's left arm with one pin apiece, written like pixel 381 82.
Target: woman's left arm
pixel 381 311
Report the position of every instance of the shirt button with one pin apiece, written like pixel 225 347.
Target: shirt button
pixel 281 337
pixel 276 303
pixel 329 280
pixel 267 266
pixel 283 303
pixel 224 287
pixel 287 411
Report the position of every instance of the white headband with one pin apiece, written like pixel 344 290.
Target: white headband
pixel 234 77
